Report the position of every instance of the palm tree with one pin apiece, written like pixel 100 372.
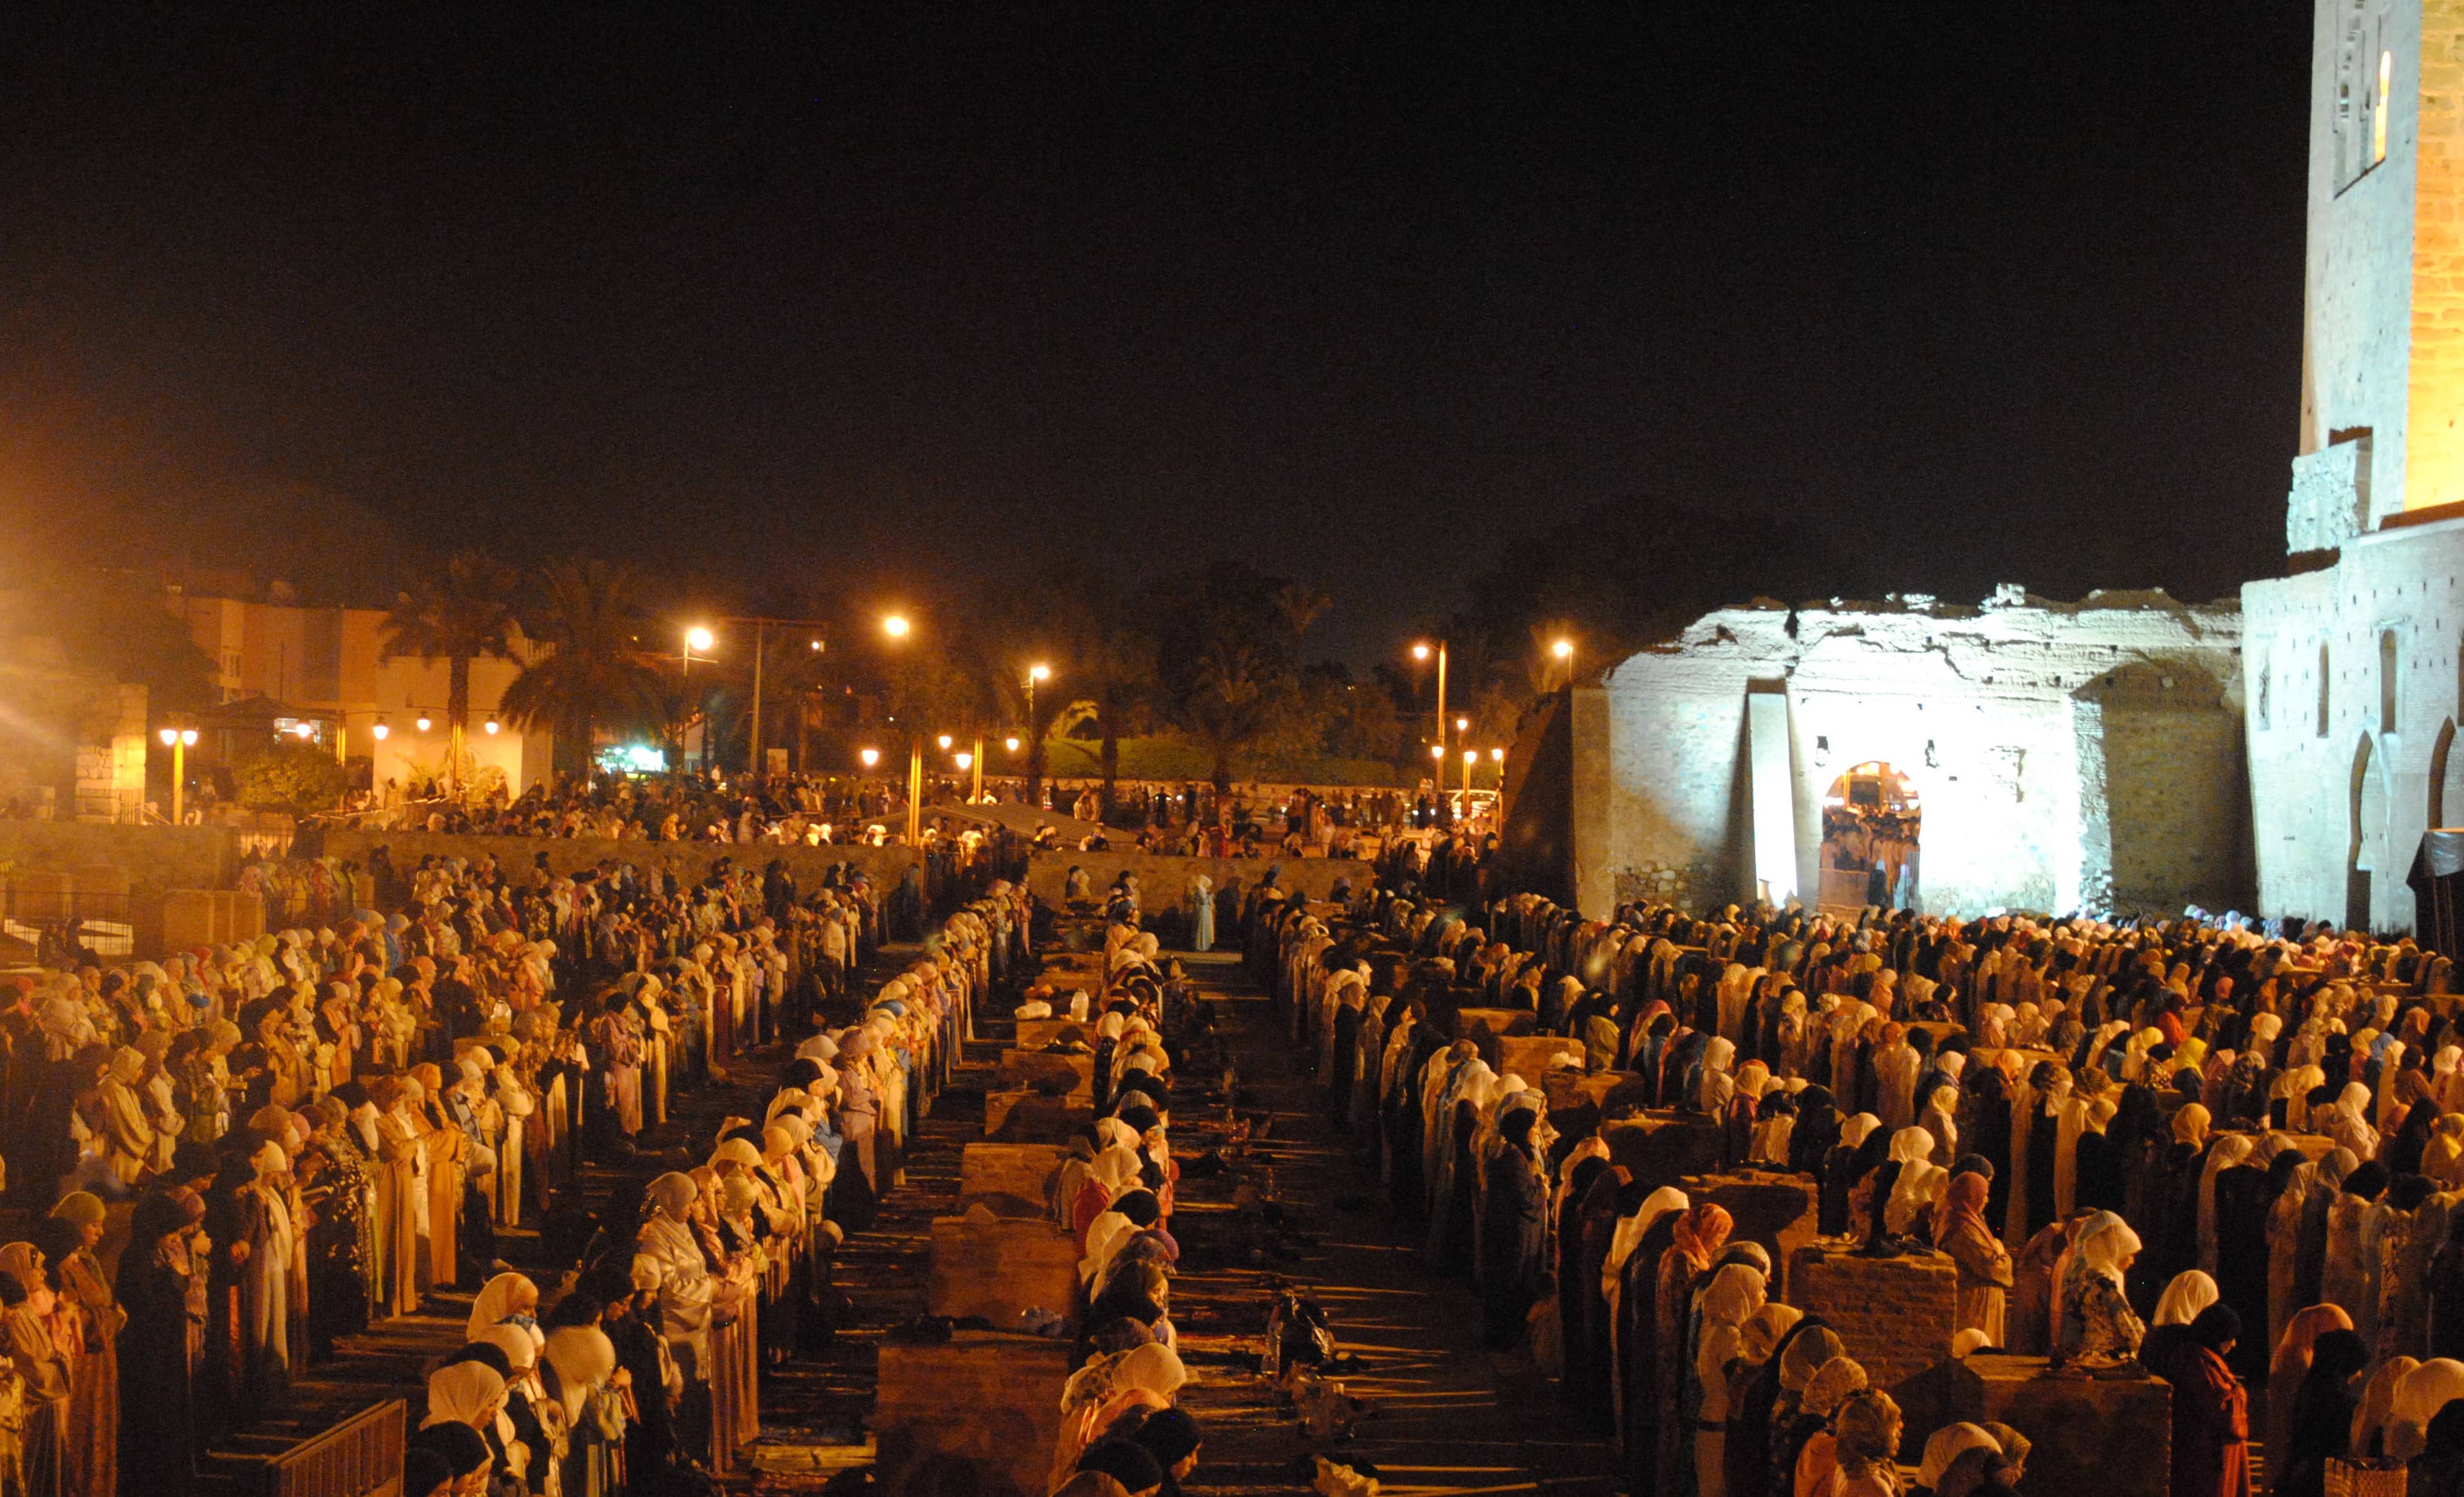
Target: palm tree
pixel 594 669
pixel 1230 708
pixel 456 613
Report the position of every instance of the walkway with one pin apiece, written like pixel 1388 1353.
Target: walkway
pixel 1449 1417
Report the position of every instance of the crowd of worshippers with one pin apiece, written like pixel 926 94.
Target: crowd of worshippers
pixel 1120 1430
pixel 321 1128
pixel 2210 1151
pixel 696 1281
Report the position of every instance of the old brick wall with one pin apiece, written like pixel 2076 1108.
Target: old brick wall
pixel 1010 1388
pixel 1164 881
pixel 1782 1212
pixel 1001 1266
pixel 1895 1316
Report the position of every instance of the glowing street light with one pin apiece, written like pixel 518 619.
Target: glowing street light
pixel 422 722
pixel 493 726
pixel 1498 754
pixel 1011 743
pixel 1563 649
pixel 1421 651
pixel 871 757
pixel 177 741
pixel 945 741
pixel 1438 752
pixel 895 626
pixel 965 759
pixel 383 730
pixel 303 730
pixel 698 638
pixel 1463 724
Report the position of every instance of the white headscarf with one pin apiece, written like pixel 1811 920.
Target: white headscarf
pixel 2190 1293
pixel 466 1393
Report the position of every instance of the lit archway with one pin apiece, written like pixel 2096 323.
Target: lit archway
pixel 2368 834
pixel 1871 819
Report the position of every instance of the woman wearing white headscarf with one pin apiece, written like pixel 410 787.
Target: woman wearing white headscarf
pixel 2419 1395
pixel 2347 1122
pixel 1726 1304
pixel 1947 1445
pixel 1936 1120
pixel 2098 1322
pixel 466 1393
pixel 593 1409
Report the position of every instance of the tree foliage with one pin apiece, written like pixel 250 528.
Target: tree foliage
pixel 296 778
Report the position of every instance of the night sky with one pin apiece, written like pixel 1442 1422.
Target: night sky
pixel 852 299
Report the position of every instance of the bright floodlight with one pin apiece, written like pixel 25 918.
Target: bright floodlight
pixel 1563 650
pixel 305 731
pixel 698 638
pixel 895 626
pixel 1419 651
pixel 1039 672
pixel 871 757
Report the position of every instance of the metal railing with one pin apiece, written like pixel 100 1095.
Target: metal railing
pixel 361 1457
pixel 56 920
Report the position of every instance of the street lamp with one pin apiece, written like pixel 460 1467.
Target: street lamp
pixel 1563 649
pixel 383 730
pixel 701 639
pixel 177 739
pixel 945 742
pixel 871 757
pixel 1421 651
pixel 1010 743
pixel 1471 757
pixel 493 726
pixel 895 626
pixel 1035 674
pixel 966 759
pixel 422 722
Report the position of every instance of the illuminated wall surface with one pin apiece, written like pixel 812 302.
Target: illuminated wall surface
pixel 2064 755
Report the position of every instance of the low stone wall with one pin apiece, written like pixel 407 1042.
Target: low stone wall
pixel 1164 881
pixel 692 860
pixel 155 860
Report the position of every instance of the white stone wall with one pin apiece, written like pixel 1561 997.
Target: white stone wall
pixel 2359 795
pixel 2066 756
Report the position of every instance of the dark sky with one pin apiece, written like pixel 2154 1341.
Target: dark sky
pixel 2006 295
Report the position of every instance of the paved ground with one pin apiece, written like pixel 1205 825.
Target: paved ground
pixel 1448 1418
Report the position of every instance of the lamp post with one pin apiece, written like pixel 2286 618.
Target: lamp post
pixel 695 638
pixel 896 626
pixel 976 796
pixel 178 740
pixel 1563 649
pixel 760 628
pixel 1421 651
pixel 1036 673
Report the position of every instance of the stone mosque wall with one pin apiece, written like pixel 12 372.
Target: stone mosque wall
pixel 2065 755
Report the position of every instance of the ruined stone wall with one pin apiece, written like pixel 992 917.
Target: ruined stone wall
pixel 2065 755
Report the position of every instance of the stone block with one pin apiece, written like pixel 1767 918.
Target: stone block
pixel 1009 1179
pixel 2111 1438
pixel 977 1413
pixel 188 918
pixel 1028 1071
pixel 999 1266
pixel 1500 1021
pixel 1038 1034
pixel 1533 1056
pixel 1895 1316
pixel 1019 1116
pixel 1781 1212
pixel 1663 1148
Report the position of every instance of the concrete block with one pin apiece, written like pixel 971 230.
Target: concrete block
pixel 978 1413
pixel 996 1268
pixel 2111 1438
pixel 189 918
pixel 1009 1179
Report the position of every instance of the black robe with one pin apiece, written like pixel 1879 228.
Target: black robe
pixel 1513 1237
pixel 1637 1353
pixel 1583 1314
pixel 156 1420
pixel 2241 1261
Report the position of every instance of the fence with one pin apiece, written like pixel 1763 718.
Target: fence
pixel 361 1457
pixel 51 915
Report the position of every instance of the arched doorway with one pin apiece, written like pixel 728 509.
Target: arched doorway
pixel 1871 819
pixel 2369 834
pixel 2445 777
